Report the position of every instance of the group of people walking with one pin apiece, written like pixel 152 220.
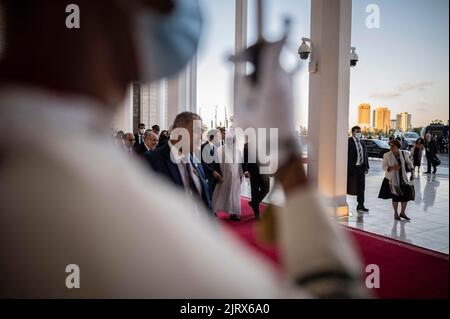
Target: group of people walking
pixel 215 178
pixel 397 164
pixel 226 172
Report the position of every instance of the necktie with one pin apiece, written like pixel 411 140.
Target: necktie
pixel 191 182
pixel 359 148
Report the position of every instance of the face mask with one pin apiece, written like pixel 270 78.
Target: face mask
pixel 142 131
pixel 166 43
pixel 358 135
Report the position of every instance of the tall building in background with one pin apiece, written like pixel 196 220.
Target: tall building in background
pixel 404 121
pixel 364 116
pixel 382 119
pixel 393 124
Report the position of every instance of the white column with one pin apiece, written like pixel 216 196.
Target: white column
pixel 240 42
pixel 182 92
pixel 123 119
pixel 191 88
pixel 329 100
pixel 153 104
pixel 162 110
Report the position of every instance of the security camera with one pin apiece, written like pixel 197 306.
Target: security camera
pixel 304 50
pixel 353 57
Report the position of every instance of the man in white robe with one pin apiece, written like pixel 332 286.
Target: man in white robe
pixel 227 194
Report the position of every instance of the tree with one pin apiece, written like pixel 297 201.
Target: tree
pixel 417 130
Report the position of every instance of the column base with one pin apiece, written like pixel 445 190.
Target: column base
pixel 343 211
pixel 338 205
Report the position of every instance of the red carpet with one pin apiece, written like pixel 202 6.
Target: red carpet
pixel 407 272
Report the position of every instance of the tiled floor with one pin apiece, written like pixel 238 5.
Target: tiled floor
pixel 429 213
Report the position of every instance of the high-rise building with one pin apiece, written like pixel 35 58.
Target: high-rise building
pixel 382 119
pixel 393 124
pixel 404 121
pixel 364 116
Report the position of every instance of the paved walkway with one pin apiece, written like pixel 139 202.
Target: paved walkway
pixel 429 213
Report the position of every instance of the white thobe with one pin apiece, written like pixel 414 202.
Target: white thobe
pixel 227 193
pixel 68 196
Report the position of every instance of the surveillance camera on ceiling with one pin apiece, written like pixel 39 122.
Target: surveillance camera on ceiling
pixel 304 50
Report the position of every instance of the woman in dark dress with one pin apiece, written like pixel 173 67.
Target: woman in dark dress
pixel 417 154
pixel 395 185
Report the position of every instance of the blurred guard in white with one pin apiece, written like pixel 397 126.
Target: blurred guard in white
pixel 69 197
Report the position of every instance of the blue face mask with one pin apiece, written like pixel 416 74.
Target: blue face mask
pixel 166 43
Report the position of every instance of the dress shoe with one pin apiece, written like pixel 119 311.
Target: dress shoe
pixel 405 217
pixel 362 209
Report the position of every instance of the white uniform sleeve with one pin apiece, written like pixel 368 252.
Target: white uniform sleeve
pixel 386 161
pixel 133 236
pixel 317 254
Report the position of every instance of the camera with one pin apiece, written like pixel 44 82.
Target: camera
pixel 353 57
pixel 304 50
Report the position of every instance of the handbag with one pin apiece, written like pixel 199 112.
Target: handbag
pixel 407 168
pixel 409 191
pixel 436 161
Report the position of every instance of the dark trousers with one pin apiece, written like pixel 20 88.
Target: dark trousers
pixel 361 184
pixel 430 163
pixel 260 185
pixel 211 183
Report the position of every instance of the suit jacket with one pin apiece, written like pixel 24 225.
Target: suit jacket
pixel 353 157
pixel 431 148
pixel 159 160
pixel 136 137
pixel 210 168
pixel 352 170
pixel 140 149
pixel 252 168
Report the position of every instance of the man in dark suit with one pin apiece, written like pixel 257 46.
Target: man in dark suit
pixel 149 145
pixel 163 138
pixel 139 136
pixel 156 129
pixel 431 151
pixel 180 166
pixel 209 153
pixel 259 183
pixel 128 144
pixel 357 168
